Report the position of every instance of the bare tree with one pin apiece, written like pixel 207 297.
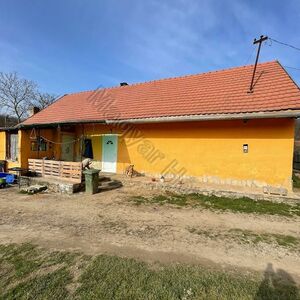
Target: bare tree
pixel 42 100
pixel 16 94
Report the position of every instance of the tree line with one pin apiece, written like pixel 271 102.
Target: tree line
pixel 18 95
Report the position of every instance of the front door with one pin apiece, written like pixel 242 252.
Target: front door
pixel 109 153
pixel 67 147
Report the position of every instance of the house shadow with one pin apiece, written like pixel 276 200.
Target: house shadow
pixel 277 285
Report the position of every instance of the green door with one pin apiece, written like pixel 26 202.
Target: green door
pixel 109 153
pixel 67 147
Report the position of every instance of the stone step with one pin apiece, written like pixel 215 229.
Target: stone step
pixel 110 185
pixel 103 178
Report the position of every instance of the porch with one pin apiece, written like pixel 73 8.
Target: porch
pixel 55 184
pixel 63 148
pixel 63 177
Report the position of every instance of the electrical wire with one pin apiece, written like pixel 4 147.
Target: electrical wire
pixel 285 44
pixel 249 57
pixel 293 68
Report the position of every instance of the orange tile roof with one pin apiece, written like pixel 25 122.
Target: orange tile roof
pixel 219 92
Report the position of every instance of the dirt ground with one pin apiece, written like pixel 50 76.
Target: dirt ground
pixel 109 223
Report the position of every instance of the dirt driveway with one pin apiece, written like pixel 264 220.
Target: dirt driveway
pixel 109 223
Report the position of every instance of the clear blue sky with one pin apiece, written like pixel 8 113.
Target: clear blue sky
pixel 72 45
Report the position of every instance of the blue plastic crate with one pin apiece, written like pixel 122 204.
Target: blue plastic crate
pixel 9 178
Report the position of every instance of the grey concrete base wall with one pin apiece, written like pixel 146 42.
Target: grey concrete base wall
pixel 56 186
pixel 178 188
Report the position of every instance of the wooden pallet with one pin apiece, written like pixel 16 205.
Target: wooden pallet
pixel 70 171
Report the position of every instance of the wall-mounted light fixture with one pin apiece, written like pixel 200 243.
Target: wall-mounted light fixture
pixel 245 148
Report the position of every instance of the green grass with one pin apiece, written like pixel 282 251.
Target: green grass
pixel 250 237
pixel 279 239
pixel 20 262
pixel 27 272
pixel 243 205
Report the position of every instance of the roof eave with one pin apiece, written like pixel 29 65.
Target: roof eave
pixel 9 128
pixel 213 117
pixel 55 124
pixel 186 118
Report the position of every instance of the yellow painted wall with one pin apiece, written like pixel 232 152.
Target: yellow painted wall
pixel 25 147
pixel 215 149
pixel 207 150
pixel 25 142
pixel 2 145
pixel 94 132
pixel 10 163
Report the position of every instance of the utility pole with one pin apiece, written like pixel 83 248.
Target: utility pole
pixel 259 42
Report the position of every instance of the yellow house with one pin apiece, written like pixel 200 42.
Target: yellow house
pixel 205 127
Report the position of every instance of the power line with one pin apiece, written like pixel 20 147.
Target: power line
pixel 285 44
pixel 297 69
pixel 250 56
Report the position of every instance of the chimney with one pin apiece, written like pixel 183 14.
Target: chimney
pixel 33 110
pixel 123 83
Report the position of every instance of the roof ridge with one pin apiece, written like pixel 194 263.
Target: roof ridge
pixel 77 93
pixel 204 73
pixel 176 77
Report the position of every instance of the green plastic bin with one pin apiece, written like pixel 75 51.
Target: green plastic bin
pixel 91 181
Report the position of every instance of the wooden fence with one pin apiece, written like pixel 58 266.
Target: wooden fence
pixel 69 171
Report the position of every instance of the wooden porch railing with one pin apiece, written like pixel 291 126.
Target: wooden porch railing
pixel 69 171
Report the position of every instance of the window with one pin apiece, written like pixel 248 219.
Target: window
pixel 43 145
pixel 34 146
pixel 39 145
pixel 12 146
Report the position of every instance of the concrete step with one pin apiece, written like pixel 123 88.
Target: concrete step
pixel 103 178
pixel 106 183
